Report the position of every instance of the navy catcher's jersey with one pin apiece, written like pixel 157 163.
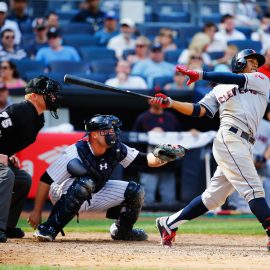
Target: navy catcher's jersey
pixel 99 168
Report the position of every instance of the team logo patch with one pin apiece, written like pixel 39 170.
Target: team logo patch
pixel 103 166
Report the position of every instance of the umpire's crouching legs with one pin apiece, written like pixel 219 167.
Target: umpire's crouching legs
pixel 127 214
pixel 7 179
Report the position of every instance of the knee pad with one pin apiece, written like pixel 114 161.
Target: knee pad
pixel 69 204
pixel 134 195
pixel 80 191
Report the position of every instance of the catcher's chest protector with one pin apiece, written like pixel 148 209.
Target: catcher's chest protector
pixel 100 168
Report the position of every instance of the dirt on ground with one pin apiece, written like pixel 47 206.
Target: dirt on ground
pixel 99 251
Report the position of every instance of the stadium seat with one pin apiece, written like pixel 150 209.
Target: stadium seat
pixel 26 65
pixel 216 55
pixel 246 44
pixel 128 52
pixel 68 66
pixel 66 16
pixel 214 18
pixel 160 82
pixel 78 28
pixel 32 74
pixel 174 17
pixel 186 33
pixel 149 29
pixel 172 56
pixel 245 30
pixel 79 40
pixel 94 76
pixel 103 66
pixel 96 53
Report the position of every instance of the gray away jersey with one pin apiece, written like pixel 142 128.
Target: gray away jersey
pixel 58 169
pixel 240 107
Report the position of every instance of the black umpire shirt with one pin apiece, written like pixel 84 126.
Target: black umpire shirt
pixel 19 126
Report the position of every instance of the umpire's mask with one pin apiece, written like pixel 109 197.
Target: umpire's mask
pixel 49 89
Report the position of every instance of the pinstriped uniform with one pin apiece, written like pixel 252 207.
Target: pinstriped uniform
pixel 241 109
pixel 111 194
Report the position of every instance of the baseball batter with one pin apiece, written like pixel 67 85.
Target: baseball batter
pixel 79 181
pixel 241 100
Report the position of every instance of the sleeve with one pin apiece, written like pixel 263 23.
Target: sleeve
pixel 210 103
pixel 45 178
pixel 131 155
pixel 7 121
pixel 257 81
pixel 39 55
pixel 225 78
pixel 58 169
pixel 142 83
pixel 137 70
pixel 140 160
pixel 75 55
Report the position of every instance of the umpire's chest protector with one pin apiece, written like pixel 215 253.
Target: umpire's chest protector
pixel 99 169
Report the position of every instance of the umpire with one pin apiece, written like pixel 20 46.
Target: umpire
pixel 19 126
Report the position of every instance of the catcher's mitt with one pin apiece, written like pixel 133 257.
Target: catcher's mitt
pixel 168 152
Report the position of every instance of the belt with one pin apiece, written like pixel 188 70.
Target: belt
pixel 243 134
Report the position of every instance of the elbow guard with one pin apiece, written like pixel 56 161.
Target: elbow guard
pixel 196 110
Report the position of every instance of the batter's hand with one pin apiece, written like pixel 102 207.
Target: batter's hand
pixel 162 100
pixel 4 159
pixel 34 219
pixel 192 74
pixel 15 161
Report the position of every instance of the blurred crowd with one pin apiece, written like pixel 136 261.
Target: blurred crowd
pixel 100 43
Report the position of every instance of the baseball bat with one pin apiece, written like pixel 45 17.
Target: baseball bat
pixel 100 86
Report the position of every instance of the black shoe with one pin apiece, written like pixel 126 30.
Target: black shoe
pixel 132 235
pixel 14 232
pixel 3 237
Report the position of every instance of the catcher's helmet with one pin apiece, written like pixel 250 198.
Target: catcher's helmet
pixel 103 122
pixel 239 61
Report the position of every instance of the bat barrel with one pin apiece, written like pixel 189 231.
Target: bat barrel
pixel 99 86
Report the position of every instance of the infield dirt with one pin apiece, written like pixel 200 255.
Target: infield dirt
pixel 98 251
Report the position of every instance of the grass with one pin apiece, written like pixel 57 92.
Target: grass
pixel 205 225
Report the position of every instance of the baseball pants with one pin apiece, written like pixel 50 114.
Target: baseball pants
pixel 112 194
pixel 14 187
pixel 235 171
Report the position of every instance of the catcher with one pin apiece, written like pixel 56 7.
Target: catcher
pixel 79 181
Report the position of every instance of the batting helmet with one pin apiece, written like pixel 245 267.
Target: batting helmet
pixel 102 122
pixel 239 61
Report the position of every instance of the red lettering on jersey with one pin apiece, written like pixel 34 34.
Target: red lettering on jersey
pixel 227 95
pixel 258 75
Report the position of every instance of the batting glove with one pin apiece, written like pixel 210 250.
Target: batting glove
pixel 162 100
pixel 192 74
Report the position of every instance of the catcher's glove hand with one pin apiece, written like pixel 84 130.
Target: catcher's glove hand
pixel 168 152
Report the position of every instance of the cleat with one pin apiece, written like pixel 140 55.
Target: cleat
pixel 45 233
pixel 14 232
pixel 132 235
pixel 3 237
pixel 166 234
pixel 42 237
